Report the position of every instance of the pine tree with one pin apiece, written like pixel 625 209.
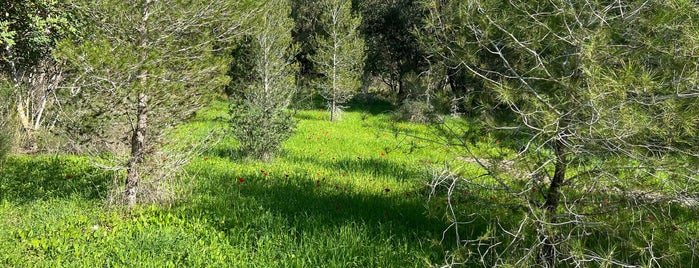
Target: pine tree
pixel 260 119
pixel 147 66
pixel 339 55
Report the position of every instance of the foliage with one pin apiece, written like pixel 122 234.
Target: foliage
pixel 169 64
pixel 339 54
pixel 260 132
pixel 602 101
pixel 30 31
pixel 260 119
pixel 6 137
pixel 392 49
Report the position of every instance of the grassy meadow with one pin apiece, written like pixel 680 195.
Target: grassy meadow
pixel 351 193
pixel 341 194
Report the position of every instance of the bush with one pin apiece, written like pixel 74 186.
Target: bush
pixel 6 137
pixel 414 111
pixel 260 130
pixel 5 140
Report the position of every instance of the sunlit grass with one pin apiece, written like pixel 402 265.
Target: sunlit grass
pixel 351 193
pixel 346 193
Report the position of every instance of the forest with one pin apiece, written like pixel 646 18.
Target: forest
pixel 340 133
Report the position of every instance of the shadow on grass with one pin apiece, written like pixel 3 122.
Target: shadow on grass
pixel 308 205
pixel 375 167
pixel 369 103
pixel 28 178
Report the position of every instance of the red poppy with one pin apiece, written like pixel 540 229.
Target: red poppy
pixel 206 158
pixel 343 174
pixel 387 190
pixel 383 154
pixel 241 180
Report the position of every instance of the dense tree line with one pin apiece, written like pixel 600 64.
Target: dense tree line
pixel 587 87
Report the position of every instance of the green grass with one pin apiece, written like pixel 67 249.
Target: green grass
pixel 352 193
pixel 340 194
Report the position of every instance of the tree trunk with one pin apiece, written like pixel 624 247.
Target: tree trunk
pixel 553 196
pixel 138 140
pixel 138 137
pixel 29 131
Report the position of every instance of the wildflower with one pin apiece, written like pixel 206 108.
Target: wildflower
pixel 206 158
pixel 343 174
pixel 383 154
pixel 286 175
pixel 241 180
pixel 387 190
pixel 69 176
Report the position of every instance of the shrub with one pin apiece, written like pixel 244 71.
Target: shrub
pixel 260 130
pixel 414 111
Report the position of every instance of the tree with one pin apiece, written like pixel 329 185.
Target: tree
pixel 605 94
pixel 169 60
pixel 6 137
pixel 392 48
pixel 260 119
pixel 29 31
pixel 339 53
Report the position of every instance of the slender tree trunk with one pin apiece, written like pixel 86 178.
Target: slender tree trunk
pixel 553 196
pixel 27 126
pixel 138 138
pixel 334 97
